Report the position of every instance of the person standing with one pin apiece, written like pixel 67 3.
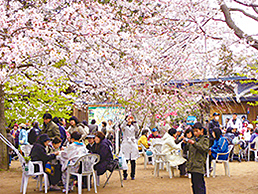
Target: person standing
pixel 75 125
pixel 129 144
pixel 15 133
pixel 93 128
pixel 235 122
pixel 104 127
pixel 34 133
pixel 198 148
pixel 49 127
pixel 214 123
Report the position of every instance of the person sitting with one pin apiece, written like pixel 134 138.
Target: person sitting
pixel 220 145
pixel 38 153
pixel 253 136
pixel 56 147
pixel 143 140
pixel 229 135
pixel 248 133
pixel 91 143
pixel 70 155
pixel 154 134
pixel 172 151
pixel 103 149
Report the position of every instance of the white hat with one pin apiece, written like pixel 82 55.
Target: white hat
pixel 250 126
pixel 179 129
pixel 23 126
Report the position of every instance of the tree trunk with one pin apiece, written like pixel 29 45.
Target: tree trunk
pixel 4 164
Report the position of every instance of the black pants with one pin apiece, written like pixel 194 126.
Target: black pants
pixel 198 184
pixel 133 166
pixel 182 169
pixel 54 179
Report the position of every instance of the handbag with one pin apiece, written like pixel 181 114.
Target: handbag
pixel 122 161
pixel 49 169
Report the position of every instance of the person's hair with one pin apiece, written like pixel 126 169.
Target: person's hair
pixel 234 113
pixel 243 117
pixel 110 120
pixel 56 120
pixel 56 140
pixel 189 130
pixel 104 123
pixel 93 121
pixel 197 125
pixel 100 135
pixel 217 132
pixel 7 130
pixel 85 123
pixel 256 130
pixel 229 130
pixel 205 131
pixel 76 135
pixel 172 131
pixel 145 131
pixel 47 116
pixel 75 119
pixel 35 124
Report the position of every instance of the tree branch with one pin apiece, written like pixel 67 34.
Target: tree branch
pixel 245 4
pixel 245 13
pixel 238 32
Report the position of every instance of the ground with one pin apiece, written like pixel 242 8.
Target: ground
pixel 243 179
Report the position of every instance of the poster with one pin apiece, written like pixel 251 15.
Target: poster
pixel 116 114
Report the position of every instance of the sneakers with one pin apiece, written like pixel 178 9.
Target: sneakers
pixel 132 178
pixel 125 178
pixel 54 188
pixel 64 191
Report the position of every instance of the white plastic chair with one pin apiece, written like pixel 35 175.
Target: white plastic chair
pixel 160 161
pixel 87 163
pixel 146 157
pixel 226 162
pixel 26 149
pixel 255 149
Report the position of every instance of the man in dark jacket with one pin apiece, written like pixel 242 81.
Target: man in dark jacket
pixel 198 149
pixel 49 127
pixel 34 133
pixel 214 123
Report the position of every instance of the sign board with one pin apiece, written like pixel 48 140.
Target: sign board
pixel 116 114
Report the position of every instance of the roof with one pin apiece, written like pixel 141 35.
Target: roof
pixel 193 81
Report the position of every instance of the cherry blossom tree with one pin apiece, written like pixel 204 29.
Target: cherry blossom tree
pixel 108 49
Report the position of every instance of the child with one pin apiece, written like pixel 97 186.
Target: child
pixel 198 149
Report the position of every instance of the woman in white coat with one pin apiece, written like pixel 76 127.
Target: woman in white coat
pixel 129 144
pixel 173 151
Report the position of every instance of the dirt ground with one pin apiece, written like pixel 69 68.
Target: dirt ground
pixel 243 179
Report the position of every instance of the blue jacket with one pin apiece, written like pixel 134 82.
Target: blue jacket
pixel 23 137
pixel 220 146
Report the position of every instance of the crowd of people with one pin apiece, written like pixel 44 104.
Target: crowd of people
pixel 185 146
pixel 73 139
